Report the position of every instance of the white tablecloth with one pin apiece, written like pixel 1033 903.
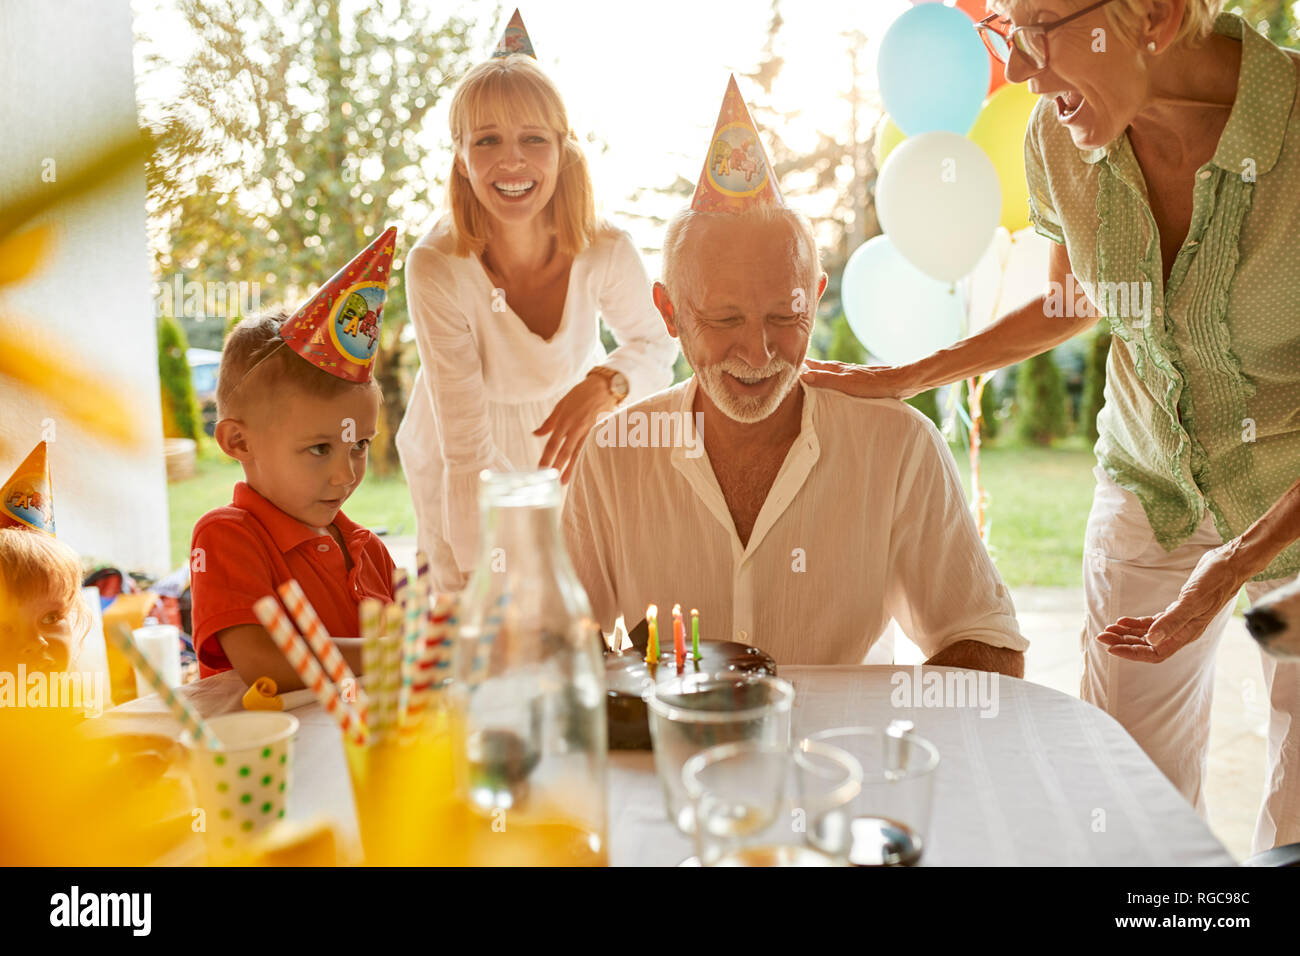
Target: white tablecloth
pixel 1049 780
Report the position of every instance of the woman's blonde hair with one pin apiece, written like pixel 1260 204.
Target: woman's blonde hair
pixel 514 89
pixel 34 565
pixel 1126 17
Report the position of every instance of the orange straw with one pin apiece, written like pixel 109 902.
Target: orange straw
pixel 310 624
pixel 293 647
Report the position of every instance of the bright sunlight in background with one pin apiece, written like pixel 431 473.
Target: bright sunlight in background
pixel 646 85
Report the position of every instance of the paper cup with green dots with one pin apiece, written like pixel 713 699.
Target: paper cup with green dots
pixel 243 786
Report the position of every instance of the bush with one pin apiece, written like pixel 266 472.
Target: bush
pixel 844 346
pixel 1040 400
pixel 1094 383
pixel 927 403
pixel 180 409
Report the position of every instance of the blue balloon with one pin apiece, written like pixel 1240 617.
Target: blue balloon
pixel 933 70
pixel 898 312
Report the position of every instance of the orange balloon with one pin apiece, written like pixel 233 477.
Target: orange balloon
pixel 976 10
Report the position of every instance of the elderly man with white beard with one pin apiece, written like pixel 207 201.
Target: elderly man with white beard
pixel 812 517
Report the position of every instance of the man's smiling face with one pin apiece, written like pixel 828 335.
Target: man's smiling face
pixel 747 314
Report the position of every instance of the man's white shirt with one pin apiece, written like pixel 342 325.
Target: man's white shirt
pixel 866 521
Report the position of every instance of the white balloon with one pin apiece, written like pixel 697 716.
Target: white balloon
pixel 1012 271
pixel 939 200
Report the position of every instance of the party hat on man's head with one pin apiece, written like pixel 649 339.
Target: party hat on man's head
pixel 736 173
pixel 338 329
pixel 515 39
pixel 27 498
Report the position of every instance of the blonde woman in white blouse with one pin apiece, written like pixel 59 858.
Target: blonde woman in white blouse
pixel 504 294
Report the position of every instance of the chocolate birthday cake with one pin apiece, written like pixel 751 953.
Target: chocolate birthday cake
pixel 628 674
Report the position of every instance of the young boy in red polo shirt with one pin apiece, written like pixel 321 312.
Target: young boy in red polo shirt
pixel 297 407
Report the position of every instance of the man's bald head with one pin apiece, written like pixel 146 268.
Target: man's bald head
pixel 792 247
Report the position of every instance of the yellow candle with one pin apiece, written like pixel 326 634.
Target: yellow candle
pixel 652 645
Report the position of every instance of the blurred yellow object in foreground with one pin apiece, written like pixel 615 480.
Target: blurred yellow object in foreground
pixel 290 843
pixel 504 840
pixel 70 799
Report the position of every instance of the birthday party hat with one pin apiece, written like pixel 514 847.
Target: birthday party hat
pixel 338 329
pixel 515 39
pixel 27 498
pixel 736 172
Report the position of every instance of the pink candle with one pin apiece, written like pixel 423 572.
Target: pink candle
pixel 679 636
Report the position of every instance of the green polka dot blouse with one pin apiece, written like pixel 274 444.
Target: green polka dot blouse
pixel 1202 393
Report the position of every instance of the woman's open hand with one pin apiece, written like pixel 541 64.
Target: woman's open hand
pixel 1214 583
pixel 571 420
pixel 864 381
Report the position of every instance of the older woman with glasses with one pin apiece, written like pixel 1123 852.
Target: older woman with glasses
pixel 1164 161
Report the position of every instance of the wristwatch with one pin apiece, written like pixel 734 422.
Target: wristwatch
pixel 616 381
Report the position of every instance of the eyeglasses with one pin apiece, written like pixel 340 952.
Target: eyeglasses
pixel 1030 40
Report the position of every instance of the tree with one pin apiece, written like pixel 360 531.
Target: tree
pixel 180 407
pixel 295 140
pixel 1277 16
pixel 1040 400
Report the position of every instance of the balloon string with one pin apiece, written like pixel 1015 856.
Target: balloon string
pixel 975 394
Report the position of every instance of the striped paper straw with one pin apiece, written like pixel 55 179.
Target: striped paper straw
pixel 430 669
pixel 390 664
pixel 313 629
pixel 487 636
pixel 370 612
pixel 181 709
pixel 438 649
pixel 422 569
pixel 293 647
pixel 412 646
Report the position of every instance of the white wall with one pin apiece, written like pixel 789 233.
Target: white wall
pixel 66 86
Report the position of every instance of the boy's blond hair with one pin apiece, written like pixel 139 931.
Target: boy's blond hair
pixel 255 361
pixel 34 565
pixel 516 89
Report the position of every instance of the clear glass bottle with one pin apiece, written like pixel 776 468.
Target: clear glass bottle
pixel 530 658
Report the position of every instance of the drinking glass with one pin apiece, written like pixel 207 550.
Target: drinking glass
pixel 697 711
pixel 762 805
pixel 889 820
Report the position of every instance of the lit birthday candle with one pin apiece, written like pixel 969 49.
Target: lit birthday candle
pixel 695 634
pixel 679 636
pixel 652 645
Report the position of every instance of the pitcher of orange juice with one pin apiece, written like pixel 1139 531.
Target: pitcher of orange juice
pixel 529 660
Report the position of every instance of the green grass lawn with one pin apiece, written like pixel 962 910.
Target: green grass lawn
pixel 1038 501
pixel 379 504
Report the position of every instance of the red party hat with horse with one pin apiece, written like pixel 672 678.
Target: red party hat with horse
pixel 338 329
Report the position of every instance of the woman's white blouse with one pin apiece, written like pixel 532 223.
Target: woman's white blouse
pixel 486 382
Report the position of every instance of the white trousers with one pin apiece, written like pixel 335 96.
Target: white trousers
pixel 1166 706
